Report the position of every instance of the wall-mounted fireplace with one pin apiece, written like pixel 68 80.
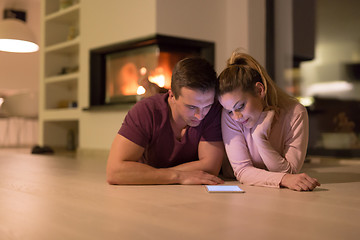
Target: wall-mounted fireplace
pixel 120 73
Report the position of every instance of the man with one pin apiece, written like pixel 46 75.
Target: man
pixel 174 137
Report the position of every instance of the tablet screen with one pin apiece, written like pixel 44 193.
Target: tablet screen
pixel 224 188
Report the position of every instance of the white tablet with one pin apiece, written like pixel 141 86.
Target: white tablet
pixel 224 189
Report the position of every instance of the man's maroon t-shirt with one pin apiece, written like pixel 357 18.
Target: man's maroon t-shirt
pixel 148 125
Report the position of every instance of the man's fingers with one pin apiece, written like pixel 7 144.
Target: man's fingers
pixel 218 180
pixel 199 177
pixel 213 179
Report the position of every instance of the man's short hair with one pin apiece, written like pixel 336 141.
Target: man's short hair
pixel 195 73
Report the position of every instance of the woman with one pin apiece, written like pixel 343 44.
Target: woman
pixel 265 131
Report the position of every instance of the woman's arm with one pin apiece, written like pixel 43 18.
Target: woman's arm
pixel 237 149
pixel 294 152
pixel 295 144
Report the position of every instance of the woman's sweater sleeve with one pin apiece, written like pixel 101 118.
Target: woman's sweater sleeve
pixel 239 157
pixel 295 145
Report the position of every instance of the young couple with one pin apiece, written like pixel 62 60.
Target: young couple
pixel 179 137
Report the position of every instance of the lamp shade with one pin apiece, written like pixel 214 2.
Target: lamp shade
pixel 15 36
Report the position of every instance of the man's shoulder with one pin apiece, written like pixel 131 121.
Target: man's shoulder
pixel 215 110
pixel 210 127
pixel 144 119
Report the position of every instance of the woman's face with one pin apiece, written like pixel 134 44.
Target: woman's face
pixel 244 107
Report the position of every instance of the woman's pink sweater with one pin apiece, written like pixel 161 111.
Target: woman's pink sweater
pixel 264 161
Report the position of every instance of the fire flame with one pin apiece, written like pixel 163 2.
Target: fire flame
pixel 141 90
pixel 158 80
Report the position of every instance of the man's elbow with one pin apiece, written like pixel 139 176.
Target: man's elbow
pixel 111 179
pixel 114 173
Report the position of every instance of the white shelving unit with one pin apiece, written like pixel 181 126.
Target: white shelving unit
pixel 60 114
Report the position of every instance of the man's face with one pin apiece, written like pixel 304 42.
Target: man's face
pixel 191 106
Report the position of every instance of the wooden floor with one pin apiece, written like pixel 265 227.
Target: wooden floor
pixel 49 197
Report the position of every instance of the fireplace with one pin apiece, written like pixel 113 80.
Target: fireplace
pixel 128 71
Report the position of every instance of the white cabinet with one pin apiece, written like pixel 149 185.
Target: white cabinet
pixel 59 111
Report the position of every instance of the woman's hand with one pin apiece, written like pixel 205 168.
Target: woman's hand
pixel 263 127
pixel 299 182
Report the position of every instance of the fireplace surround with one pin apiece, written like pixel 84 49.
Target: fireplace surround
pixel 119 73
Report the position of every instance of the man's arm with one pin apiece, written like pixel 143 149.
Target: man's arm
pixel 211 155
pixel 123 168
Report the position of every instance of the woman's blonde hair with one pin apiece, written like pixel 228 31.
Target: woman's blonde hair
pixel 243 71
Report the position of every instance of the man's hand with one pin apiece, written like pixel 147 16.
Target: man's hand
pixel 198 177
pixel 299 182
pixel 263 128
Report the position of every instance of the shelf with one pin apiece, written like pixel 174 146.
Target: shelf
pixel 67 15
pixel 62 78
pixel 61 94
pixel 61 114
pixel 70 46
